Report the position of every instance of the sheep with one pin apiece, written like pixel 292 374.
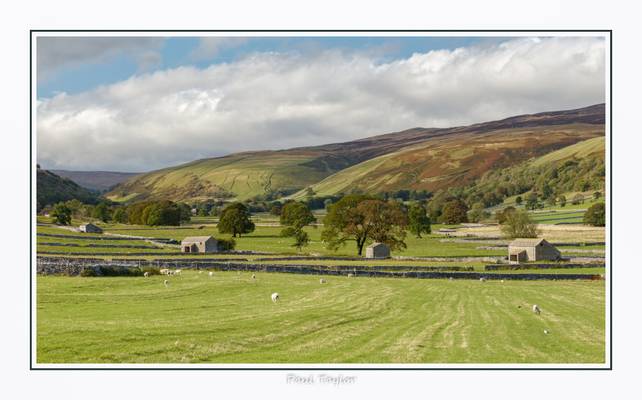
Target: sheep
pixel 546 332
pixel 177 272
pixel 482 279
pixel 536 309
pixel 350 275
pixel 322 281
pixel 211 274
pixel 164 271
pixel 166 283
pixel 275 297
pixel 253 276
pixel 200 272
pixel 450 279
pixel 146 274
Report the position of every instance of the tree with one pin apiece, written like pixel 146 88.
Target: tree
pixel 532 201
pixel 276 209
pixel 101 212
pixel 518 200
pixel 477 213
pixel 562 200
pixel 235 219
pixel 577 199
pixel 61 214
pixel 518 224
pixel 362 218
pixel 120 215
pixel 418 220
pixel 185 212
pixel 162 213
pixel 295 216
pixel 597 195
pixel 454 212
pixel 596 215
pixel 501 215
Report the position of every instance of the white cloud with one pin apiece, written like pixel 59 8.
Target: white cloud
pixel 54 53
pixel 272 101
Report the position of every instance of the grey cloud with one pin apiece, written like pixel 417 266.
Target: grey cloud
pixel 54 53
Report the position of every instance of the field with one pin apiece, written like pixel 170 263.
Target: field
pixel 230 319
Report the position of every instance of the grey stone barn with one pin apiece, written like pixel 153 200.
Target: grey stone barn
pixel 199 244
pixel 520 250
pixel 378 250
pixel 90 228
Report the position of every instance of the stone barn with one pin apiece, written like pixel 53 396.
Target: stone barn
pixel 199 244
pixel 378 250
pixel 90 228
pixel 520 250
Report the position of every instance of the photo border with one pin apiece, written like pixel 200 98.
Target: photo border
pixel 608 364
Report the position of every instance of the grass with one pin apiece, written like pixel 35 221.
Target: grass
pixel 229 319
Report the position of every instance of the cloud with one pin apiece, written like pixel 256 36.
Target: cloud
pixel 275 100
pixel 210 47
pixel 55 53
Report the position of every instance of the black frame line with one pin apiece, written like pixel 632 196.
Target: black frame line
pixel 196 31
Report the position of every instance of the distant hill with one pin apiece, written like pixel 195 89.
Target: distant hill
pixel 52 188
pixel 418 158
pixel 95 180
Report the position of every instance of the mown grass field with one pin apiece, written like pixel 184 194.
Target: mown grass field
pixel 230 319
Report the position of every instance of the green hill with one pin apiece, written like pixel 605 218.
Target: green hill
pixel 417 158
pixel 51 189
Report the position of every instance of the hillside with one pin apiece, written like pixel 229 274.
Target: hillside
pixel 417 158
pixel 455 160
pixel 95 180
pixel 51 188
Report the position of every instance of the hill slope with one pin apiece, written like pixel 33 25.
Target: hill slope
pixel 415 158
pixel 51 188
pixel 95 180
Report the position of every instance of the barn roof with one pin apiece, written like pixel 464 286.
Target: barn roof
pixel 89 224
pixel 192 239
pixel 376 244
pixel 526 242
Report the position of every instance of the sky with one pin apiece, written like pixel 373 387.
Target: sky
pixel 136 104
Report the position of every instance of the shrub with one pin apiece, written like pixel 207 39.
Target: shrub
pixel 518 224
pixel 226 244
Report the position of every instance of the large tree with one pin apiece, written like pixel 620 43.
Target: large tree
pixel 418 220
pixel 101 212
pixel 295 216
pixel 595 215
pixel 235 219
pixel 454 212
pixel 362 218
pixel 518 224
pixel 61 214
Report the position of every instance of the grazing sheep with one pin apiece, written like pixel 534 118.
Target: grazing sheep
pixel 450 279
pixel 536 309
pixel 253 276
pixel 164 271
pixel 200 272
pixel 146 274
pixel 545 332
pixel 275 297
pixel 350 275
pixel 322 281
pixel 482 279
pixel 177 272
pixel 211 274
pixel 166 283
pixel 502 281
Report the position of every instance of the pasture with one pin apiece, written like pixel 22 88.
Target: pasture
pixel 229 318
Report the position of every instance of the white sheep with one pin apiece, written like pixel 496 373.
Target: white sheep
pixel 322 281
pixel 350 275
pixel 166 283
pixel 536 309
pixel 146 274
pixel 211 274
pixel 253 276
pixel 200 272
pixel 546 332
pixel 164 271
pixel 177 272
pixel 482 279
pixel 275 297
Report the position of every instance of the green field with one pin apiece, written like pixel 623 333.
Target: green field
pixel 230 319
